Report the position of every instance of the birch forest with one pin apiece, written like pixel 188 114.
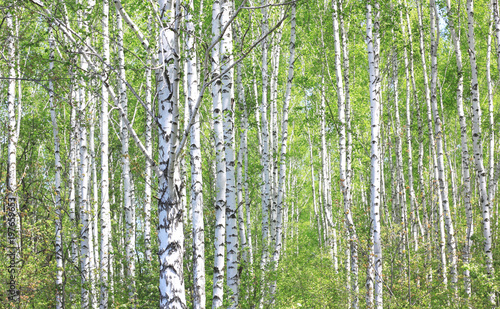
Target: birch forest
pixel 249 154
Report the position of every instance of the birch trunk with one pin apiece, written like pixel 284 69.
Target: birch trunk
pixel 106 240
pixel 84 176
pixel 451 161
pixel 240 203
pixel 491 155
pixel 170 229
pixel 127 186
pixel 93 197
pixel 57 185
pixel 227 102
pixel 242 181
pixel 148 180
pixel 73 169
pixel 344 141
pixel 372 28
pixel 464 152
pixel 14 228
pixel 266 186
pixel 244 141
pixel 220 202
pixel 274 179
pixel 199 301
pixel 112 260
pixel 478 149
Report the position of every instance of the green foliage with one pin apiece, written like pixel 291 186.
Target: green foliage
pixel 305 274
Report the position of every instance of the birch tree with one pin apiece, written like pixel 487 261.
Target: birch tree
pixel 227 103
pixel 196 167
pixel 57 185
pixel 125 163
pixel 106 239
pixel 266 185
pixel 13 234
pixel 84 175
pixel 170 229
pixel 477 145
pixel 149 149
pixel 372 29
pixel 344 160
pixel 491 150
pixel 443 185
pixel 464 147
pixel 241 184
pixel 220 200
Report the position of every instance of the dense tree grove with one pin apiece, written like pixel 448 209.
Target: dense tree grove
pixel 249 154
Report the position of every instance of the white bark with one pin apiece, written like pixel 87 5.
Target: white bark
pixel 266 186
pixel 227 102
pixel 93 198
pixel 125 163
pixel 273 91
pixel 344 159
pixel 478 149
pixel 57 185
pixel 111 261
pixel 148 179
pixel 242 185
pixel 496 15
pixel 491 155
pixel 246 244
pixel 170 229
pixel 240 203
pixel 84 176
pixel 19 88
pixel 73 168
pixel 220 202
pixel 372 28
pixel 443 184
pixel 105 206
pixel 199 301
pixel 14 228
